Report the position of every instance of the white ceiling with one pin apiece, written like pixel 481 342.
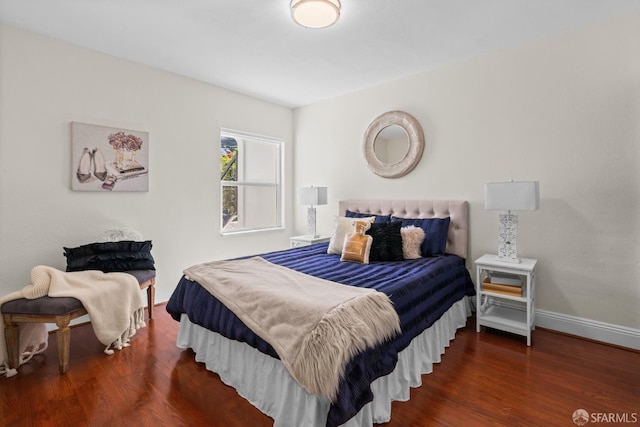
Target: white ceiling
pixel 253 46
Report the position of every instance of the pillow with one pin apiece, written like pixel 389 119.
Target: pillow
pixel 119 234
pixel 357 245
pixel 436 231
pixel 387 241
pixel 378 218
pixel 342 227
pixel 412 238
pixel 123 255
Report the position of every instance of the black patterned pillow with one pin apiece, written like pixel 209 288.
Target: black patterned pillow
pixel 387 242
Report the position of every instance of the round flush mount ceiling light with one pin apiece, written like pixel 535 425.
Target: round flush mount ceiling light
pixel 315 13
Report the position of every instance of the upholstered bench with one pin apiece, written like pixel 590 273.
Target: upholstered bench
pixel 60 311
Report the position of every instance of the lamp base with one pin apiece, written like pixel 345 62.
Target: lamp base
pixel 508 238
pixel 311 222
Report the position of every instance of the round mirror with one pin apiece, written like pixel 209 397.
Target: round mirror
pixel 393 144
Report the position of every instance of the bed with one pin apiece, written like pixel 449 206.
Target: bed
pixel 431 295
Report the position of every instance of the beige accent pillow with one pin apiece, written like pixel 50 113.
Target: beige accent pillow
pixel 341 227
pixel 357 245
pixel 412 238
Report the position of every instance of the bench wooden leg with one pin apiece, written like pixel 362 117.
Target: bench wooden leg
pixel 12 340
pixel 151 296
pixel 63 337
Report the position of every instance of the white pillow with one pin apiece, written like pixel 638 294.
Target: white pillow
pixel 118 234
pixel 341 227
pixel 412 238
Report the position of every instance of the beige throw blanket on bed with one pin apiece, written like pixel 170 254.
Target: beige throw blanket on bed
pixel 316 326
pixel 112 300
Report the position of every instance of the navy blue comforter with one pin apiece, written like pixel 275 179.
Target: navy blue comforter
pixel 421 291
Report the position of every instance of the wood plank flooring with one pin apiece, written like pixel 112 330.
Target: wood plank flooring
pixel 486 379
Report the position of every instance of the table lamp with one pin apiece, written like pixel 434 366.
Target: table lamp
pixel 510 196
pixel 312 197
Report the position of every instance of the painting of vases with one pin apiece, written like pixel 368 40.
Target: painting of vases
pixel 108 159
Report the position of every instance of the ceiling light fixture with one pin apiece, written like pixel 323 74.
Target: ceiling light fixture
pixel 315 13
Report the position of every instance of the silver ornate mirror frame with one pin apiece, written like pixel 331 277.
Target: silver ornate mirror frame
pixel 416 144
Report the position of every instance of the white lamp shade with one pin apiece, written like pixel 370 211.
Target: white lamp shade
pixel 312 196
pixel 512 196
pixel 315 13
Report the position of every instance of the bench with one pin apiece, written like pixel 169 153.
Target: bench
pixel 58 310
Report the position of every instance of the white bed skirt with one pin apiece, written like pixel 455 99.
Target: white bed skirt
pixel 267 385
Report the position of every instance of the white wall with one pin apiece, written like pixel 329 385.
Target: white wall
pixel 46 84
pixel 564 111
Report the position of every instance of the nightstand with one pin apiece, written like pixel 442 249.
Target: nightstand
pixel 305 240
pixel 504 310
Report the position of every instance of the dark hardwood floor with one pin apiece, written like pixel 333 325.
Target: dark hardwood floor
pixel 486 379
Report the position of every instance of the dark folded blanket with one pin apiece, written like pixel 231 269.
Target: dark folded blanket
pixel 111 256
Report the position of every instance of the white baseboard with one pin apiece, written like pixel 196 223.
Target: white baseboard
pixel 591 329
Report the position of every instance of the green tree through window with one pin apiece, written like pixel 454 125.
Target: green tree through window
pixel 229 172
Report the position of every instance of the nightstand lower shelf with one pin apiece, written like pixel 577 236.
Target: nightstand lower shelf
pixel 509 319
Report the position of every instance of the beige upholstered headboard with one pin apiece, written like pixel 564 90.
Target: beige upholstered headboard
pixel 457 210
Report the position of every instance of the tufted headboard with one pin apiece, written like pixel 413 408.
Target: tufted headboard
pixel 457 210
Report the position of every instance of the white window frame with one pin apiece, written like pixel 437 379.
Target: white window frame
pixel 240 137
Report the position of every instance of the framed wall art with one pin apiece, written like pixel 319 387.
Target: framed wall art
pixel 108 159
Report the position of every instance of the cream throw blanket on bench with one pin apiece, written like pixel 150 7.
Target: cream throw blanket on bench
pixel 112 300
pixel 316 326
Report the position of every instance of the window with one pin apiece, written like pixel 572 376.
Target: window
pixel 250 182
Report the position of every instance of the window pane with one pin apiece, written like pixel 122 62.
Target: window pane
pixel 250 175
pixel 229 205
pixel 228 158
pixel 257 161
pixel 256 208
